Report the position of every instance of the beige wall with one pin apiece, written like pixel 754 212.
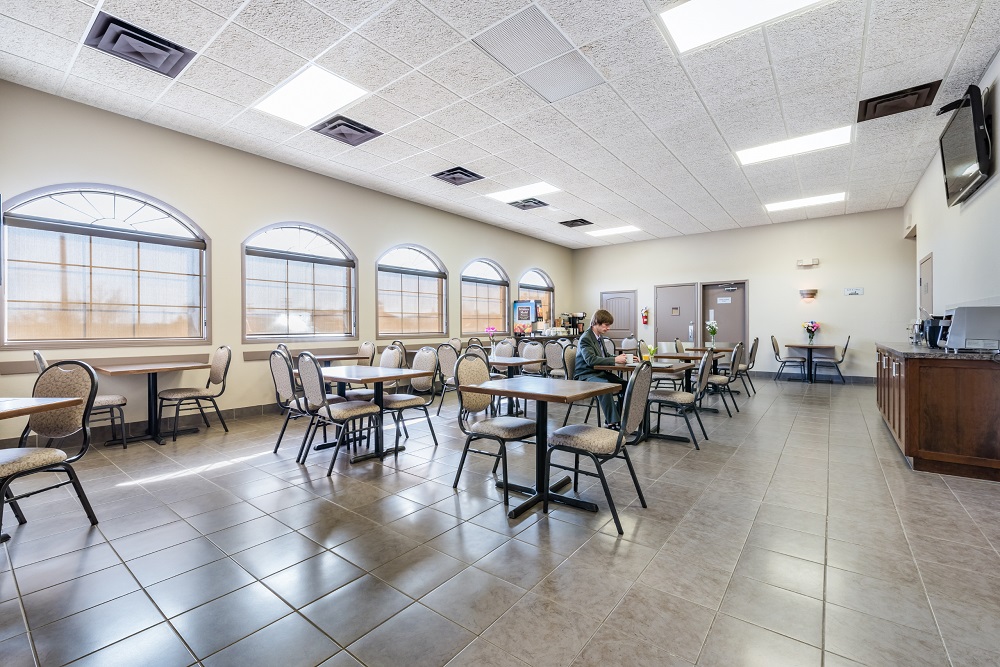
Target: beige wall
pixel 963 239
pixel 858 250
pixel 48 140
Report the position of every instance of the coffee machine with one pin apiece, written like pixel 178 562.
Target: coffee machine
pixel 577 322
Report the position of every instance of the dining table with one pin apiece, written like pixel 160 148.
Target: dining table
pixel 327 359
pixel 829 351
pixel 543 391
pixel 693 357
pixel 512 366
pixel 376 376
pixel 661 368
pixel 151 371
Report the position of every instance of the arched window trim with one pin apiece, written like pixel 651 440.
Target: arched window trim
pixel 504 281
pixel 351 262
pixel 203 242
pixel 441 273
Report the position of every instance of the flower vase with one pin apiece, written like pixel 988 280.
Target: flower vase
pixel 811 338
pixel 712 342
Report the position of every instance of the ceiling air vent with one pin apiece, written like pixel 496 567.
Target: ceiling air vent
pixel 527 204
pixel 125 41
pixel 458 176
pixel 346 130
pixel 566 75
pixel 897 102
pixel 523 41
pixel 579 222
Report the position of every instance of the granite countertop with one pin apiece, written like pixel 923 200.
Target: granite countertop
pixel 908 350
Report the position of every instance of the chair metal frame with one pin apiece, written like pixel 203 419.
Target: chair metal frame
pixel 681 409
pixel 722 388
pixel 293 406
pixel 794 361
pixel 831 362
pixel 177 403
pixel 397 413
pixel 445 375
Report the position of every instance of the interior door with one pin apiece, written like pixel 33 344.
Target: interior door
pixel 927 286
pixel 676 312
pixel 621 305
pixel 726 303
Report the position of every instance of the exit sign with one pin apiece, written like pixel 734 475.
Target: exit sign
pixel 854 291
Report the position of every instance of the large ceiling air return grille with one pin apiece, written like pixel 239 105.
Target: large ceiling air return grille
pixel 458 176
pixel 528 204
pixel 525 40
pixel 348 131
pixel 137 46
pixel 579 222
pixel 566 75
pixel 897 102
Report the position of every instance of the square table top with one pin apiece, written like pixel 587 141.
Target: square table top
pixel 17 407
pixel 810 346
pixel 657 368
pixel 371 374
pixel 706 349
pixel 503 362
pixel 692 356
pixel 549 390
pixel 156 367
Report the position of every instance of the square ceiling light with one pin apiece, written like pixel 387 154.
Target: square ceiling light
pixel 699 22
pixel 310 95
pixel 524 192
pixel 806 144
pixel 627 229
pixel 808 201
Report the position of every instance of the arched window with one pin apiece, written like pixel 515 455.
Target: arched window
pixel 535 285
pixel 484 298
pixel 412 293
pixel 97 263
pixel 300 283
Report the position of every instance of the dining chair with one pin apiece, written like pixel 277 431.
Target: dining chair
pixel 789 360
pixel 831 362
pixel 367 349
pixel 471 369
pixel 176 398
pixel 723 384
pixel 678 346
pixel 480 351
pixel 602 445
pixel 290 399
pixel 456 343
pixel 745 368
pixel 63 379
pixel 421 394
pixel 504 349
pixel 324 413
pixel 447 355
pixel 629 344
pixel 555 363
pixel 684 402
pixel 474 340
pixel 569 359
pixel 533 350
pixel 402 349
pixel 608 346
pixel 391 357
pixel 113 404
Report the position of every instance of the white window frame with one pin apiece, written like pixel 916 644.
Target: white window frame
pixel 504 282
pixel 441 274
pixel 548 287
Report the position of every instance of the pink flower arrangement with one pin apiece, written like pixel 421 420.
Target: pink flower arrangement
pixel 811 327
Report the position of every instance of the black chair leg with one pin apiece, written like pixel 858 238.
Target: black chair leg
pixel 281 434
pixel 204 417
pixel 342 428
pixel 690 430
pixel 306 439
pixel 219 413
pixel 14 506
pixel 441 402
pixel 732 396
pixel 427 416
pixel 177 417
pixel 697 415
pixel 750 379
pixel 461 463
pixel 635 480
pixel 81 494
pixel 503 460
pixel 722 395
pixel 607 494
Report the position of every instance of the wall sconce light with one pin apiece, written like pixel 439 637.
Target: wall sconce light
pixel 808 294
pixel 807 263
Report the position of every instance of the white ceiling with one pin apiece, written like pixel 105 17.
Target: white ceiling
pixel 650 146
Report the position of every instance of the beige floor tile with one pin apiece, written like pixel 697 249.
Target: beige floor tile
pixel 612 647
pixel 541 632
pixel 871 562
pixel 579 585
pixel 736 643
pixel 554 535
pixel 416 637
pixel 968 623
pixel 793 574
pixel 776 609
pixel 473 598
pixel 687 578
pixel 375 547
pixel 665 620
pixel 419 571
pixel 481 653
pixel 870 640
pixel 520 563
pixel 789 542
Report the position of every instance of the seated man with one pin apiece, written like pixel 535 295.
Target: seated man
pixel 589 353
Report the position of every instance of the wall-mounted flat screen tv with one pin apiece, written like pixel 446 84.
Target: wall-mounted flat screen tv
pixel 965 147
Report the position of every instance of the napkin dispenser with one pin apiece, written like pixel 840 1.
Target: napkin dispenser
pixel 972 329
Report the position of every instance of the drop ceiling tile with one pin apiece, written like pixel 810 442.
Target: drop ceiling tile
pixel 790 215
pixel 544 122
pixel 459 151
pixel 471 19
pixel 807 111
pixel 590 106
pixel 894 38
pixel 122 75
pixel 390 148
pixel 423 135
pixel 727 60
pixel 465 70
pixel 515 178
pixel 498 138
pixel 906 74
pixel 378 113
pixel 358 60
pixel 241 49
pixel 584 22
pixel 225 8
pixel 179 21
pixel 462 118
pixel 199 103
pixel 65 18
pixel 750 217
pixel 318 145
pixel 489 166
pixel 360 159
pixel 507 100
pixel 427 163
pixel 410 32
pixel 295 24
pixel 104 97
pixel 749 88
pixel 980 45
pixel 25 41
pixel 873 202
pixel 819 68
pixel 483 187
pixel 811 31
pixel 351 12
pixel 223 81
pixel 181 121
pixel 398 172
pixel 636 48
pixel 260 124
pixel 418 94
pixel 826 210
pixel 665 103
pixel 752 124
pixel 31 74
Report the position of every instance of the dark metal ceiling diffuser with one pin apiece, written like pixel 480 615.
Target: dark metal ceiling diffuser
pixel 579 222
pixel 346 130
pixel 458 176
pixel 128 42
pixel 527 204
pixel 897 102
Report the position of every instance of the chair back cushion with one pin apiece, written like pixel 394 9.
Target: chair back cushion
pixel 470 369
pixel 777 350
pixel 753 353
pixel 629 343
pixel 311 378
pixel 220 364
pixel 41 364
pixel 704 371
pixel 390 357
pixel 554 355
pixel 844 352
pixel 608 346
pixel 366 348
pixel 735 360
pixel 636 395
pixel 281 373
pixel 533 350
pixel 569 360
pixel 426 359
pixel 503 349
pixel 456 343
pixel 477 350
pixel 64 379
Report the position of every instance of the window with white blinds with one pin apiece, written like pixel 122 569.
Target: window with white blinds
pixel 299 283
pixel 536 286
pixel 96 266
pixel 412 287
pixel 484 298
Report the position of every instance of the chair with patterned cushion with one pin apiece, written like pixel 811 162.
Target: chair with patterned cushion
pixel 391 357
pixel 176 398
pixel 608 346
pixel 474 340
pixel 786 361
pixel 602 445
pixel 113 404
pixel 366 349
pixel 456 343
pixel 684 402
pixel 629 344
pixel 569 360
pixel 678 346
pixel 288 397
pixel 420 394
pixel 402 349
pixel 446 356
pixel 470 369
pixel 744 372
pixel 504 349
pixel 63 379
pixel 324 413
pixel 533 350
pixel 555 364
pixel 723 384
pixel 831 362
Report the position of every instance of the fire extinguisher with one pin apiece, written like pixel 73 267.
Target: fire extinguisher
pixel 645 315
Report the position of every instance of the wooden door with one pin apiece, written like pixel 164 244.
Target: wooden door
pixel 927 286
pixel 676 312
pixel 726 303
pixel 621 305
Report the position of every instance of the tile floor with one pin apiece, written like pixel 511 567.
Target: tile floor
pixel 796 536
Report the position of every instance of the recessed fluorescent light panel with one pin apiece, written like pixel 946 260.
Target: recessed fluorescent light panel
pixel 309 96
pixel 524 192
pixel 808 201
pixel 614 230
pixel 698 22
pixel 806 144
